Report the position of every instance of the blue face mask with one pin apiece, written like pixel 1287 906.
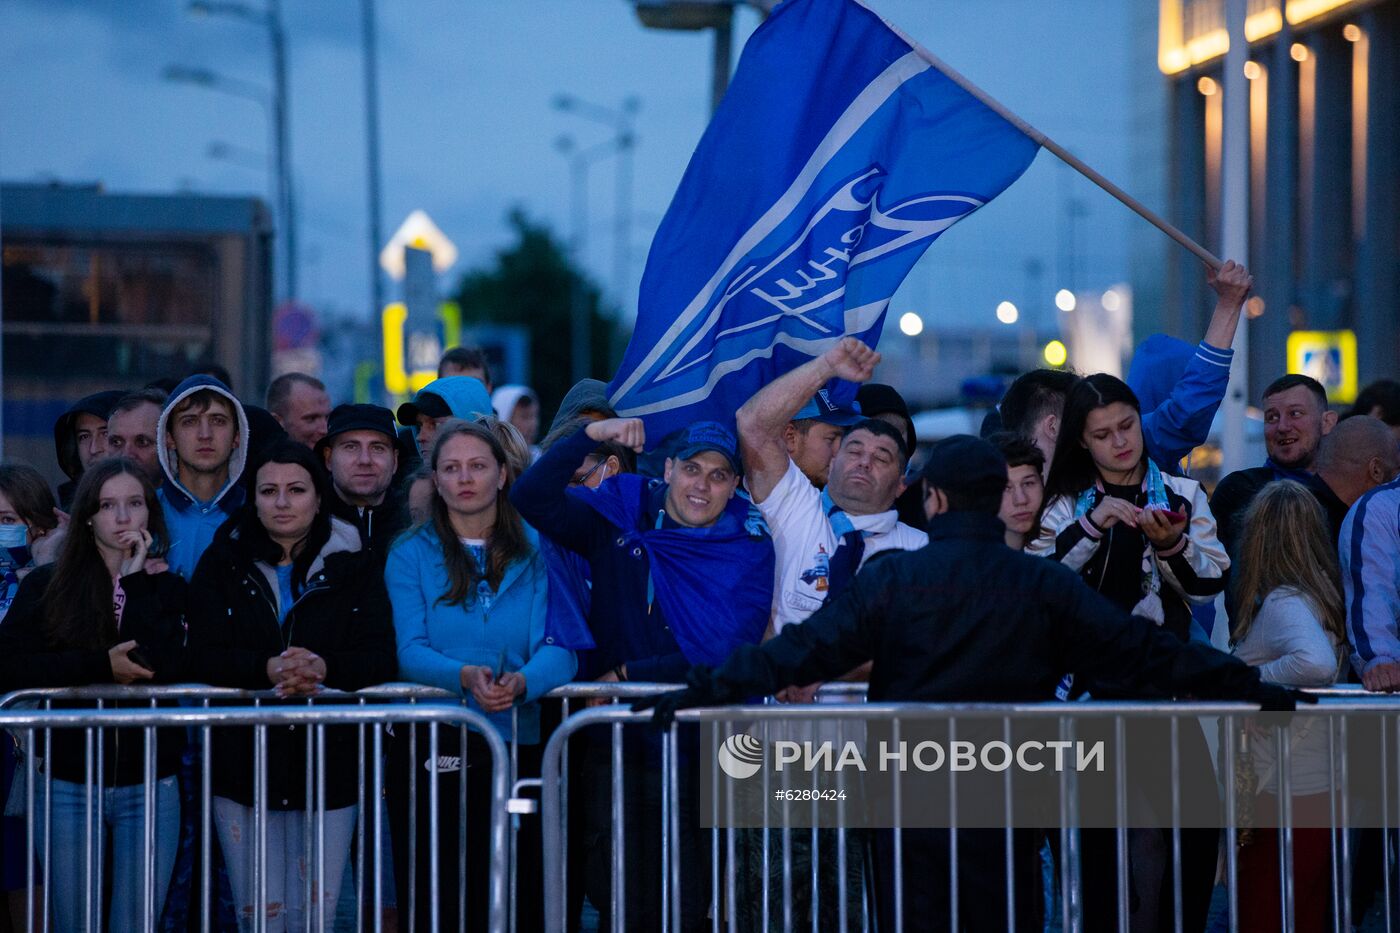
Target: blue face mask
pixel 13 536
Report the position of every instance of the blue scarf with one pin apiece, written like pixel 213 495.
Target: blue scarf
pixel 850 548
pixel 686 564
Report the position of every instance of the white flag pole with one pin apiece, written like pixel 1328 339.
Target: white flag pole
pixel 1057 150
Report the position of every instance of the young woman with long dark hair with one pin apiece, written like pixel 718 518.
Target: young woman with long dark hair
pixel 1147 541
pixel 106 611
pixel 469 589
pixel 1291 624
pixel 1144 538
pixel 287 598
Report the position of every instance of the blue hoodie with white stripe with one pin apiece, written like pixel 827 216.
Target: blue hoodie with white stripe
pixel 1370 552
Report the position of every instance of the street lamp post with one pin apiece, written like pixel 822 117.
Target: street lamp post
pixel 622 122
pixel 371 62
pixel 203 77
pixel 270 19
pixel 581 318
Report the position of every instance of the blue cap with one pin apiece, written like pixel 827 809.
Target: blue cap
pixel 822 408
pixel 710 435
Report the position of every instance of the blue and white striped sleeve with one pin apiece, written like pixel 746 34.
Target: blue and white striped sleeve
pixel 1370 553
pixel 1182 421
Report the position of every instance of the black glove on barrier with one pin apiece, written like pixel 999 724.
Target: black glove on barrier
pixel 702 689
pixel 1275 699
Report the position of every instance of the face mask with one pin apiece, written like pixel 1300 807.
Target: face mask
pixel 13 536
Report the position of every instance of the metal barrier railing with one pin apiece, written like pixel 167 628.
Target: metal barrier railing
pixel 325 866
pixel 794 896
pixel 1093 837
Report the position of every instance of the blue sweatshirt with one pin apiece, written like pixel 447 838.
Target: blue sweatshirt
pixel 436 639
pixel 190 522
pixel 1180 388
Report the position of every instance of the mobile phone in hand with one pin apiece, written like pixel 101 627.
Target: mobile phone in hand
pixel 1174 517
pixel 500 667
pixel 136 656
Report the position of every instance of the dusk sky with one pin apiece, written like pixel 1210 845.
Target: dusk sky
pixel 468 129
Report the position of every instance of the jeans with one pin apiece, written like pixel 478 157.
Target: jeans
pixel 72 879
pixel 287 866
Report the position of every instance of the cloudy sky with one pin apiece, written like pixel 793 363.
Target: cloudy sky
pixel 468 130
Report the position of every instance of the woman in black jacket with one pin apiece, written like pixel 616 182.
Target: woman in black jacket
pixel 107 611
pixel 286 598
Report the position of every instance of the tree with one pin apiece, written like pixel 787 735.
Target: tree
pixel 531 283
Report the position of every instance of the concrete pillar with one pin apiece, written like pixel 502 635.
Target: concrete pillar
pixel 1275 268
pixel 1377 305
pixel 1325 228
pixel 1187 194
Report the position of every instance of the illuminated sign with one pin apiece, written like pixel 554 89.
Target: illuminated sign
pixel 398 379
pixel 1329 356
pixel 419 232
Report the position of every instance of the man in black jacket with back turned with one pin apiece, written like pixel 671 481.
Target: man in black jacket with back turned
pixel 967 619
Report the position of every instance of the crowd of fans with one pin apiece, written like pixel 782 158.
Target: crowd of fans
pixel 296 547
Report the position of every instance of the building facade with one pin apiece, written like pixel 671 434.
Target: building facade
pixel 113 291
pixel 1324 172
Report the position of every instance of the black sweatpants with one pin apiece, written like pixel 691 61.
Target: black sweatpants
pixel 414 888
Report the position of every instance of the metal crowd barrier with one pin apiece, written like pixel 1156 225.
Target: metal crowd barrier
pixel 1351 818
pixel 37 728
pixel 789 898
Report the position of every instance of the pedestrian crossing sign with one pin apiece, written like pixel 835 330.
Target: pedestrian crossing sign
pixel 1329 356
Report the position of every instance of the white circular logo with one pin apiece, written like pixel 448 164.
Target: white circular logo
pixel 741 756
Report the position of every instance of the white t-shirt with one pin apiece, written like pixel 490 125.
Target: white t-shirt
pixel 803 543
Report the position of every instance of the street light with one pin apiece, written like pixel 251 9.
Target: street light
pixel 203 77
pixel 621 121
pixel 581 360
pixel 270 18
pixel 692 15
pixel 237 155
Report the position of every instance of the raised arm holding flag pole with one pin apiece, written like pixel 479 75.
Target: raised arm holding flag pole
pixel 840 152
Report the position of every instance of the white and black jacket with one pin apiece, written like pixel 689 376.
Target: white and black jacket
pixel 1191 571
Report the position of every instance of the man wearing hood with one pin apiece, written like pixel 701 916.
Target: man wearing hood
pixel 200 439
pixel 520 406
pixel 450 397
pixel 80 437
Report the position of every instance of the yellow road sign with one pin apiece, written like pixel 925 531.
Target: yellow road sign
pixel 397 379
pixel 1329 356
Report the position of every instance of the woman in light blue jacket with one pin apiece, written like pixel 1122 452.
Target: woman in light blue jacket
pixel 468 588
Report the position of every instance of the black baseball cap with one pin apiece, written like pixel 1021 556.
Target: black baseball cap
pixel 964 463
pixel 427 403
pixel 877 399
pixel 359 418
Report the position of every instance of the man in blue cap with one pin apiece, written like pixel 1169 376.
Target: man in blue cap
pixel 682 574
pixel 813 436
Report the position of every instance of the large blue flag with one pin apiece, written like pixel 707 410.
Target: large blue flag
pixel 838 155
